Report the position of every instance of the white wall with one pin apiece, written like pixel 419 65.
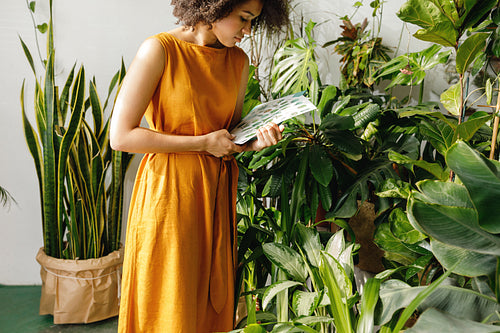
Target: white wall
pixel 98 33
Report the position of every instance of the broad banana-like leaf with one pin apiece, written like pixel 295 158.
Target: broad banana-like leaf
pixel 433 320
pixel 275 289
pixel 481 177
pixel 450 99
pixel 460 302
pixel 445 212
pixel 470 263
pixel 286 259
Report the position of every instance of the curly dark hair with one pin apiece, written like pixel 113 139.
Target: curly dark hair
pixel 274 15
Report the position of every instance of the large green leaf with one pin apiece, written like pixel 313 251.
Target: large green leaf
pixel 439 133
pixel 433 320
pixel 304 303
pixel 393 248
pixel 467 129
pixel 469 49
pixel 442 33
pixel 276 288
pixel 475 11
pixel 470 263
pixel 451 99
pixel 308 239
pixel 461 302
pixel 369 299
pixel 482 180
pixel 444 213
pixel 287 259
pixel 320 164
pixel 425 14
pixel 294 67
pixel 338 304
pixel 402 229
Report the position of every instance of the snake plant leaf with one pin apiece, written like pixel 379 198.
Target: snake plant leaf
pixel 97 111
pixel 445 213
pixel 286 259
pixel 461 302
pixel 304 302
pixel 50 200
pixel 320 164
pixel 27 53
pixel 33 145
pixel 470 263
pixel 466 130
pixel 450 99
pixel 308 239
pixel 275 289
pixel 481 177
pixel 469 49
pixel 438 321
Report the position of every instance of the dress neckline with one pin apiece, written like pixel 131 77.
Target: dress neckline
pixel 201 47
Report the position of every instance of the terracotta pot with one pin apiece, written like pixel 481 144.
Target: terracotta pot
pixel 80 291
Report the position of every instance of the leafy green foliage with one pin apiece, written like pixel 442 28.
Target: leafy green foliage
pixel 81 208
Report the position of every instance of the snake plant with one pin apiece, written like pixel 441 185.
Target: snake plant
pixel 80 178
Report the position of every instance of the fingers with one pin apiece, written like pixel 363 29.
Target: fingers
pixel 269 134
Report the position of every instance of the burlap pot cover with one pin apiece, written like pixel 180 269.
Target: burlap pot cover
pixel 80 291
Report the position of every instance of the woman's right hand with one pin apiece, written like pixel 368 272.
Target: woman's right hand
pixel 219 143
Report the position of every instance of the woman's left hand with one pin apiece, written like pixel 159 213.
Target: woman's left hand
pixel 267 136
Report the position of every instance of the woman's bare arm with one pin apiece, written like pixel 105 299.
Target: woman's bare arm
pixel 138 87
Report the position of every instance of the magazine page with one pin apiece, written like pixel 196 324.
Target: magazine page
pixel 277 111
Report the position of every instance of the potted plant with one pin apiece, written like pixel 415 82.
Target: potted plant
pixel 81 192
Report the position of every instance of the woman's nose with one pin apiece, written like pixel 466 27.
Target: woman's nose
pixel 247 29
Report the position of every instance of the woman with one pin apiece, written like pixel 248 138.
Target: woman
pixel 189 83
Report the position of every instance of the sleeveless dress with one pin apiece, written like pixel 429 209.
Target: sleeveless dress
pixel 180 250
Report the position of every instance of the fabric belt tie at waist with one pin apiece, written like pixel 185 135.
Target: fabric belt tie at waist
pixel 221 232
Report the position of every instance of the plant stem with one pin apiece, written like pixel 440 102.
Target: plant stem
pixel 421 92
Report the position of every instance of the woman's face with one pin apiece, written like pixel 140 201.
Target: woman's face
pixel 232 28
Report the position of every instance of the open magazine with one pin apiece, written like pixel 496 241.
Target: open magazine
pixel 277 111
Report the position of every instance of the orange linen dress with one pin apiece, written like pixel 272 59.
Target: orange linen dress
pixel 180 250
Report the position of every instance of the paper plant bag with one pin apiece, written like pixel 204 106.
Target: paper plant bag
pixel 80 291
